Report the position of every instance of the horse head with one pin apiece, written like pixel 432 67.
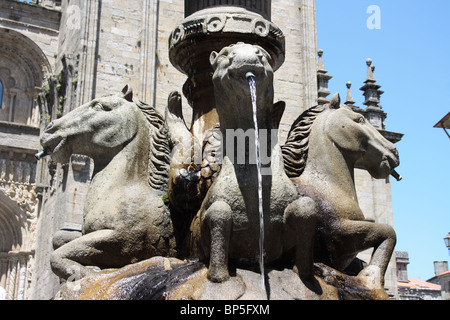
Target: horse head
pixel 98 129
pixel 359 142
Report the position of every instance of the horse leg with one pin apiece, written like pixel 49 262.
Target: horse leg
pixel 217 225
pixel 301 218
pixel 362 235
pixel 94 249
pixel 63 236
pixel 382 252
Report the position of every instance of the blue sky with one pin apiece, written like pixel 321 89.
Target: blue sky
pixel 411 53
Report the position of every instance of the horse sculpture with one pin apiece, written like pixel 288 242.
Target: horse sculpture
pixel 227 226
pixel 322 149
pixel 125 219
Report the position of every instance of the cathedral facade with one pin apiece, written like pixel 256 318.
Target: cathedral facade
pixel 57 55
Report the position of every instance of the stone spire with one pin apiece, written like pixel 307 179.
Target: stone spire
pixel 372 93
pixel 322 80
pixel 371 89
pixel 349 101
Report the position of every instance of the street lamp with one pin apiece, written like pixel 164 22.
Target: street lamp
pixel 447 241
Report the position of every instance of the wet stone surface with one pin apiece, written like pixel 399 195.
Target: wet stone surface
pixel 172 279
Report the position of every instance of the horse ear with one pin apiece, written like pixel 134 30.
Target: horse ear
pixel 127 93
pixel 335 101
pixel 212 59
pixel 278 110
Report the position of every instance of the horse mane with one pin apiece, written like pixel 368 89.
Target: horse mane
pixel 295 150
pixel 159 147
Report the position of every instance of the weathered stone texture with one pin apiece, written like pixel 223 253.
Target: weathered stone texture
pixel 168 79
pixel 37 23
pixel 296 81
pixel 118 59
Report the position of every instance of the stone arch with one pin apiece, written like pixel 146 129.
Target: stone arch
pixel 11 225
pixel 15 253
pixel 23 69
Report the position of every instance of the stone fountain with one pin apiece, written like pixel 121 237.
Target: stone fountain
pixel 193 214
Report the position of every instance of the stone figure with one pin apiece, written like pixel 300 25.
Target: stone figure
pixel 125 219
pixel 226 227
pixel 324 146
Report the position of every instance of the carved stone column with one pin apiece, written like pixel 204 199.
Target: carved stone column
pixel 211 26
pixel 11 279
pixel 13 274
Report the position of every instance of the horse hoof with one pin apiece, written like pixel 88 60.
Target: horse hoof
pixel 218 276
pixel 371 277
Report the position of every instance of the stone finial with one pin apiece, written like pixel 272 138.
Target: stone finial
pixel 372 93
pixel 371 90
pixel 349 101
pixel 321 66
pixel 322 80
pixel 371 68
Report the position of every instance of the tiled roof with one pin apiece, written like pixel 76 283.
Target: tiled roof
pixel 419 284
pixel 441 274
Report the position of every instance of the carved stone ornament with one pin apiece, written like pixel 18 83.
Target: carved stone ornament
pixel 218 27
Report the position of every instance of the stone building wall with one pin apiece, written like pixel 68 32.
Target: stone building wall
pixel 296 80
pixel 28 46
pixel 167 78
pixel 27 52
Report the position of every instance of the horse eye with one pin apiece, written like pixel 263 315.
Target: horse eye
pixel 361 120
pixel 102 107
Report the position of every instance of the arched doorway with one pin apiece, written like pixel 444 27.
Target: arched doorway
pixel 15 248
pixel 23 68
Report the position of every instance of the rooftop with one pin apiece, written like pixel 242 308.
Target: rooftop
pixel 419 284
pixel 444 122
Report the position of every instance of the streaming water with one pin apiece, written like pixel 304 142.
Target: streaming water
pixel 251 81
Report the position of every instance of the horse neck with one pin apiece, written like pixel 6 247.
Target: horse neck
pixel 127 165
pixel 326 166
